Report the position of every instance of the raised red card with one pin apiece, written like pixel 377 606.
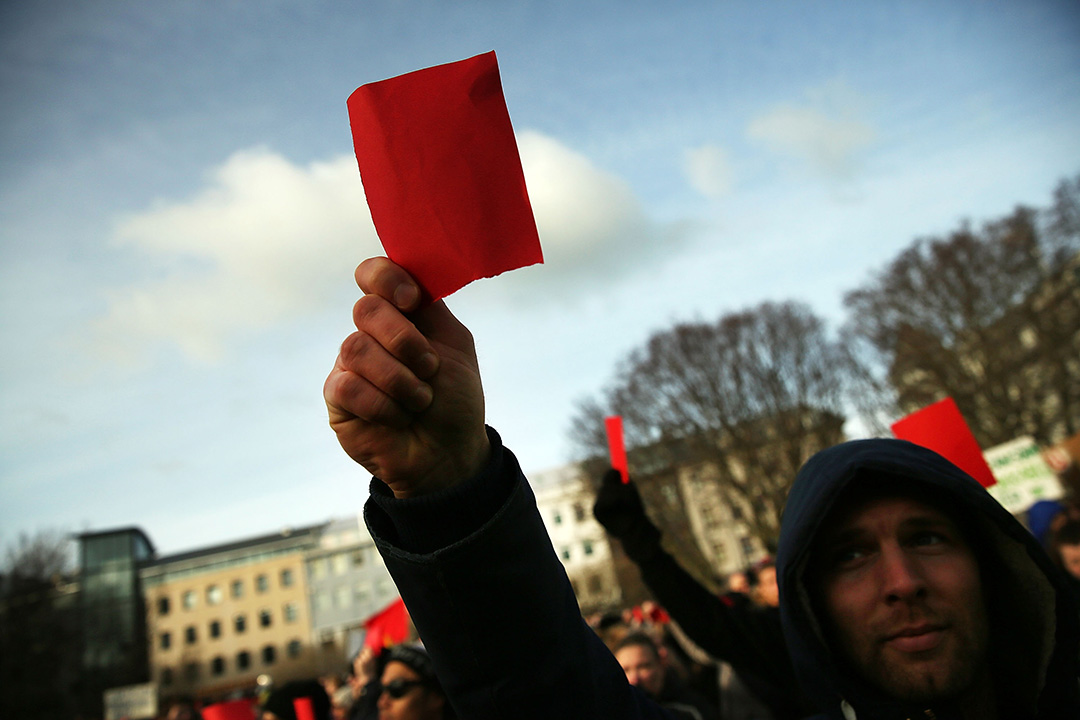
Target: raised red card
pixel 941 428
pixel 442 174
pixel 616 446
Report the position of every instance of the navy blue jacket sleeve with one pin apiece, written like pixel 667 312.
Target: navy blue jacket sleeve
pixel 494 606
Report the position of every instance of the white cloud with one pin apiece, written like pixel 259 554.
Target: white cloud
pixel 265 242
pixel 268 241
pixel 826 131
pixel 708 169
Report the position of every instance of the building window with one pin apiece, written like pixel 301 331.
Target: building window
pixel 238 588
pixel 189 600
pixel 166 677
pixel 342 596
pixel 191 672
pixel 558 518
pixel 291 612
pixel 579 512
pixel 165 641
pixel 565 553
pixel 243 660
pixel 293 649
pixel 213 595
pixel 217 666
pixel 361 594
pixel 215 629
pixel 264 618
pixel 163 606
pixel 340 563
pixel 268 655
pixel 358 558
pixel 587 546
pixel 190 636
pixel 262 583
pixel 322 602
pixel 319 568
pixel 240 623
pixel 286 578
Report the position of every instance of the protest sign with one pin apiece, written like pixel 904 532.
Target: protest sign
pixel 941 428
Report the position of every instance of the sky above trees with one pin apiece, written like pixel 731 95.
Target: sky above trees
pixel 180 213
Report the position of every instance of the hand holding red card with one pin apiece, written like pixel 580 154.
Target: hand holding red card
pixel 442 174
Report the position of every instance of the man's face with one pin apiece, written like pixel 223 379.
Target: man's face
pixel 413 701
pixel 642 668
pixel 1070 558
pixel 904 600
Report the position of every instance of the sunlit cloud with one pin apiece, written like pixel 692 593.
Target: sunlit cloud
pixel 268 241
pixel 827 131
pixel 265 242
pixel 708 169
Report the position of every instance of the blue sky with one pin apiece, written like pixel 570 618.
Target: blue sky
pixel 180 212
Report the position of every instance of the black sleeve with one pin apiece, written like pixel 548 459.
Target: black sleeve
pixel 493 605
pixel 730 628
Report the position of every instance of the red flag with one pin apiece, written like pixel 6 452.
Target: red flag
pixel 389 626
pixel 231 710
pixel 303 708
pixel 941 428
pixel 442 175
pixel 616 446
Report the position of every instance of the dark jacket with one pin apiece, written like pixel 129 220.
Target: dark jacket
pixel 730 628
pixel 492 603
pixel 1033 618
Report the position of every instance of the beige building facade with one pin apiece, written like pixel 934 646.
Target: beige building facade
pixel 219 617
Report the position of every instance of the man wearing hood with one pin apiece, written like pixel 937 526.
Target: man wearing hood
pixel 907 591
pixel 994 631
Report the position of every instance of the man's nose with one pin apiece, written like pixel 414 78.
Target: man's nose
pixel 901 577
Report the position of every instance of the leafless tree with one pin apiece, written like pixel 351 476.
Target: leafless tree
pixel 754 394
pixel 988 317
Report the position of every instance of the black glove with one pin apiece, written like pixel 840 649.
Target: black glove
pixel 620 510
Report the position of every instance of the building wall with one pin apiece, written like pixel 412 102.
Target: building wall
pixel 725 541
pixel 218 625
pixel 565 502
pixel 347 584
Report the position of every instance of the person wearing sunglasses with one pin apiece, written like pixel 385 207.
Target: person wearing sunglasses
pixel 409 688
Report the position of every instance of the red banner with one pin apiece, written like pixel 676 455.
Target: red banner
pixel 388 627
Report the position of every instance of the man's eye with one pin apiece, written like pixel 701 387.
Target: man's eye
pixel 923 539
pixel 848 556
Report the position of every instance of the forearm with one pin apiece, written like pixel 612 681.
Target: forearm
pixel 496 611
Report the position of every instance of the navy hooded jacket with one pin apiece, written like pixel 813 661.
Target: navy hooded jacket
pixel 1033 616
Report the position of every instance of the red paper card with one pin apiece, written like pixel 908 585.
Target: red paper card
pixel 442 174
pixel 616 446
pixel 941 428
pixel 230 710
pixel 303 708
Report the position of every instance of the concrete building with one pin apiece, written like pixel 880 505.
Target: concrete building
pixel 725 539
pixel 347 583
pixel 219 617
pixel 565 501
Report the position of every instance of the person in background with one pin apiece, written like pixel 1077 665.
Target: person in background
pixel 409 689
pixel 646 667
pixel 279 704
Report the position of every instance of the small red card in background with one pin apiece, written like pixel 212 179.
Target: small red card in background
pixel 442 174
pixel 941 428
pixel 616 446
pixel 303 708
pixel 230 710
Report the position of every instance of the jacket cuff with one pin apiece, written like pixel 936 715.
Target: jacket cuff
pixel 427 523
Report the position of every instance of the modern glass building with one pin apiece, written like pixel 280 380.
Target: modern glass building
pixel 114 646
